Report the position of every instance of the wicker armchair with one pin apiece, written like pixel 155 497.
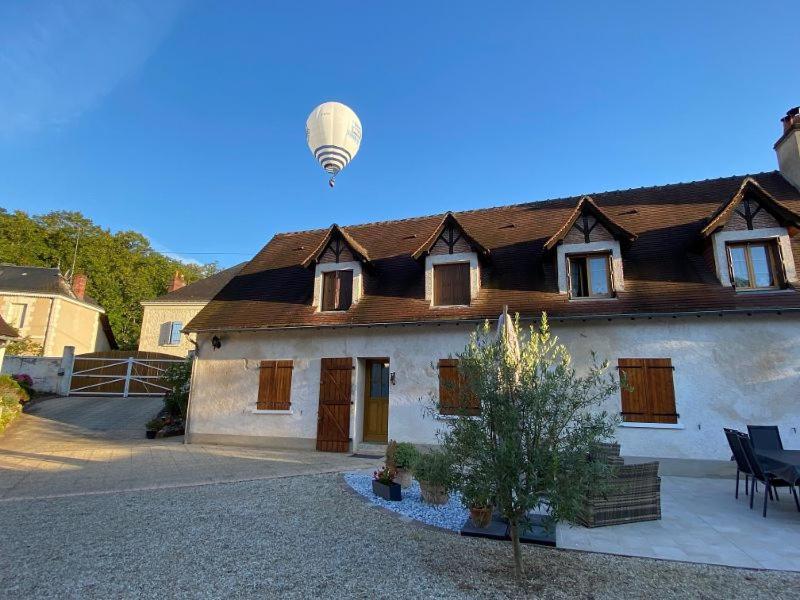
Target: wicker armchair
pixel 633 492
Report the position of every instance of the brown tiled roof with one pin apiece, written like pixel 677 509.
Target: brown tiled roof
pixel 750 186
pixel 202 290
pixel 665 271
pixel 588 204
pixel 7 331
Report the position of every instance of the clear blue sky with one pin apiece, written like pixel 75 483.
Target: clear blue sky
pixel 185 120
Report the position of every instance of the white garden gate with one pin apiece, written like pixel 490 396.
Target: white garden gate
pixel 120 373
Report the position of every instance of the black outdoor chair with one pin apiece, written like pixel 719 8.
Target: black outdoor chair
pixel 765 437
pixel 768 479
pixel 742 466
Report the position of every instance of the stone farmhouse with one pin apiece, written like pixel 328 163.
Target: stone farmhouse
pixel 335 338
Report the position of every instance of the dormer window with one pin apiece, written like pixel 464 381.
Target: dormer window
pixel 451 286
pixel 750 239
pixel 590 275
pixel 588 248
pixel 753 265
pixel 452 270
pixel 337 290
pixel 339 262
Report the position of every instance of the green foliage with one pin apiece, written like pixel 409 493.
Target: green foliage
pixel 24 347
pixel 538 421
pixel 177 378
pixel 406 455
pixel 435 468
pixel 12 395
pixel 402 455
pixel 122 267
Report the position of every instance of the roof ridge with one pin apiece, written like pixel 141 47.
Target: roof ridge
pixel 526 203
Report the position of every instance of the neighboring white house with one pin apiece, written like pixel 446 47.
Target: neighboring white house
pixel 54 313
pixel 331 338
pixel 164 317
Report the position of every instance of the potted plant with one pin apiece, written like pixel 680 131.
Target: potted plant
pixel 434 471
pixel 383 484
pixel 476 496
pixel 402 457
pixel 152 427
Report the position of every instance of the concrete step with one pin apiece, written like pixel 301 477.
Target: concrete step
pixel 368 449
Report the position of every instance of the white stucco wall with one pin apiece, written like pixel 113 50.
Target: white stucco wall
pixel 43 370
pixel 729 372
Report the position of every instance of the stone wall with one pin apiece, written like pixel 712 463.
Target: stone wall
pixel 729 372
pixel 44 370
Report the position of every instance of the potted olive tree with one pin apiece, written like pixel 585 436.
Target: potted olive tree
pixel 383 484
pixel 434 471
pixel 402 457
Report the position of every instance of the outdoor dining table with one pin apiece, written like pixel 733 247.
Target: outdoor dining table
pixel 781 463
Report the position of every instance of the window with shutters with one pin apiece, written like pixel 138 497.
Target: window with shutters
pixel 648 395
pixel 590 275
pixel 451 285
pixel 274 385
pixel 754 265
pixel 451 384
pixel 337 290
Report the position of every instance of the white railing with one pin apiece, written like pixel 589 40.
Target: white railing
pixel 127 378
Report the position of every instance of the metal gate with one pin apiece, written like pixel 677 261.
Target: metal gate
pixel 120 373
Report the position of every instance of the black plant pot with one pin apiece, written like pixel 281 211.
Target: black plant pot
pixel 387 491
pixel 151 435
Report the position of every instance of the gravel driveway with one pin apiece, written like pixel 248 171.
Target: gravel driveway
pixel 306 536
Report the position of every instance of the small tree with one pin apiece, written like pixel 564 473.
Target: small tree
pixel 538 422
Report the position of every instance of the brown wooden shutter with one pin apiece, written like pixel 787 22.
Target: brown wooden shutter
pixel 274 385
pixel 329 290
pixel 649 394
pixel 451 284
pixel 345 298
pixel 451 386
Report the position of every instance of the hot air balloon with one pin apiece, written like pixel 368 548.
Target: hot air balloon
pixel 333 133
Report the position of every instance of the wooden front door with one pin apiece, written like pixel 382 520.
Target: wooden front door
pixel 333 420
pixel 376 402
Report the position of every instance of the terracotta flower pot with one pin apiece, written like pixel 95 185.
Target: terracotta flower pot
pixel 480 516
pixel 403 477
pixel 433 494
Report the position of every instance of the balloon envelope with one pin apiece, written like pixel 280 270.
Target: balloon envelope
pixel 333 133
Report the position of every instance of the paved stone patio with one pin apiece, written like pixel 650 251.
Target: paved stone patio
pixel 87 445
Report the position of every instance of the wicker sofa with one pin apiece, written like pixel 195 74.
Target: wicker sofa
pixel 633 492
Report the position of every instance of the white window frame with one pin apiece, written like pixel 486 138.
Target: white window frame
pixel 451 259
pixel 358 281
pixel 617 277
pixel 785 260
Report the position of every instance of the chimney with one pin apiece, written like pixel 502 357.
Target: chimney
pixel 79 285
pixel 177 282
pixel 788 147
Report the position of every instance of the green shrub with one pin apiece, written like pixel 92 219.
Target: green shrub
pixel 435 468
pixel 177 377
pixel 154 424
pixel 406 455
pixel 12 395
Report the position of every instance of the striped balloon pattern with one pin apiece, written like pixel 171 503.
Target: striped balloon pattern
pixel 333 133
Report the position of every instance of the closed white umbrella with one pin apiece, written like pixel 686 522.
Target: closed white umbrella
pixel 507 333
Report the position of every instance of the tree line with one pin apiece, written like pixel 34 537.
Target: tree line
pixel 123 269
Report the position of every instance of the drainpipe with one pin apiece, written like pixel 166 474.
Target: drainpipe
pixel 48 332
